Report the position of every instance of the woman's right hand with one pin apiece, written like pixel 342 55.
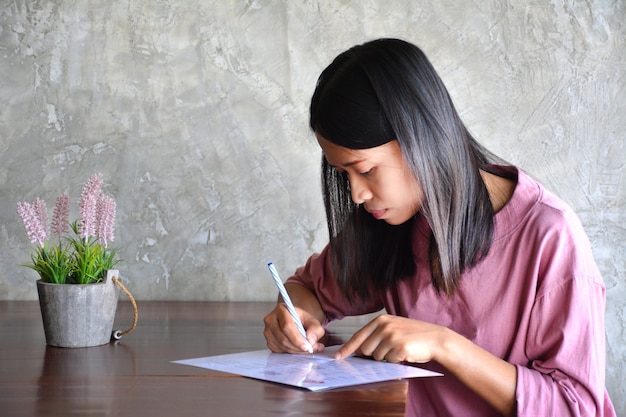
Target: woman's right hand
pixel 282 334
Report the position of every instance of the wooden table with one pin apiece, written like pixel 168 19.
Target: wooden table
pixel 134 376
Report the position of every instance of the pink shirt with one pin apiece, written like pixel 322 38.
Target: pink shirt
pixel 537 301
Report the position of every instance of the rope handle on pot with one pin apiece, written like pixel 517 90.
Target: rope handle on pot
pixel 117 334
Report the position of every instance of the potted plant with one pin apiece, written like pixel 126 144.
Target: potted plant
pixel 77 286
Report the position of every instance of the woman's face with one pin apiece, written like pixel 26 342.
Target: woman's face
pixel 379 179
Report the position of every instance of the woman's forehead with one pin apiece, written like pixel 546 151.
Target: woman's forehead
pixel 342 157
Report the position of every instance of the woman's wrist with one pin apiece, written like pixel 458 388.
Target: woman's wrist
pixel 447 347
pixel 305 300
pixel 487 375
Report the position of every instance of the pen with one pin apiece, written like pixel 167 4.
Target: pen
pixel 287 300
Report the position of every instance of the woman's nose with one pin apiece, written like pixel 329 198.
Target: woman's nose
pixel 359 191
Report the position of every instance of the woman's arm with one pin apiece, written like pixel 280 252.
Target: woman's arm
pixel 399 339
pixel 492 378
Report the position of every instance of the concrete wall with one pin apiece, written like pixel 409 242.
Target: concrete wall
pixel 196 114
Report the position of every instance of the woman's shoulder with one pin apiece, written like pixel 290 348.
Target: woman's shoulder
pixel 531 202
pixel 545 227
pixel 547 206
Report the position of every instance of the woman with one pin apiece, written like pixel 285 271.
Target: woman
pixel 485 275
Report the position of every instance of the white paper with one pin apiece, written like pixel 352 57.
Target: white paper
pixel 315 372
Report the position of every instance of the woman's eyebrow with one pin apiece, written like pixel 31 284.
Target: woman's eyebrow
pixel 347 164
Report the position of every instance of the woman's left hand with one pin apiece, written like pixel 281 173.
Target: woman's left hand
pixel 399 339
pixel 395 339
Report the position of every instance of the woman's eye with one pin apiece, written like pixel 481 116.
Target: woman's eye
pixel 366 172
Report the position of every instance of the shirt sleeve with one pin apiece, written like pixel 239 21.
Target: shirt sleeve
pixel 565 345
pixel 316 275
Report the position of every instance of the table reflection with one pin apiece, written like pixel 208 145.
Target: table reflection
pixel 82 379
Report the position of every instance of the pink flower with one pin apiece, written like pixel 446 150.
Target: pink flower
pixel 87 219
pixel 87 206
pixel 106 219
pixel 60 216
pixel 42 214
pixel 35 229
pixel 92 187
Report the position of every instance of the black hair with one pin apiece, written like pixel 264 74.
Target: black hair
pixel 386 90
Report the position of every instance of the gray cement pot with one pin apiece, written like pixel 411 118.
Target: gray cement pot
pixel 77 315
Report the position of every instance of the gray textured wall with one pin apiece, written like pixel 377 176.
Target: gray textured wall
pixel 196 114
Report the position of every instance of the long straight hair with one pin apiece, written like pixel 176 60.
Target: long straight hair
pixel 388 90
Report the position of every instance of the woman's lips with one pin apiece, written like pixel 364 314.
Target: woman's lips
pixel 378 213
